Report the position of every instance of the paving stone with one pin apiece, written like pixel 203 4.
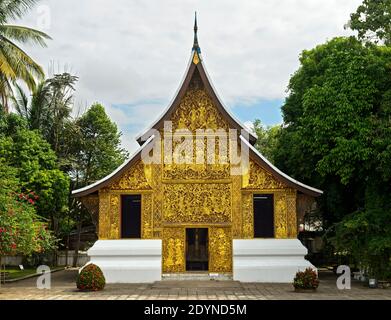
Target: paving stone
pixel 63 288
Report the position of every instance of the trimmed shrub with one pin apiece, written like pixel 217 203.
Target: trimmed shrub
pixel 307 279
pixel 91 278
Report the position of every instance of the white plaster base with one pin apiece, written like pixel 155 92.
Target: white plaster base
pixel 268 260
pixel 128 261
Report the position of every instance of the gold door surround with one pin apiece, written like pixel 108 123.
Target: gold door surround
pixel 219 250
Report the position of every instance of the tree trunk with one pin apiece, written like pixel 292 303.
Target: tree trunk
pixel 76 255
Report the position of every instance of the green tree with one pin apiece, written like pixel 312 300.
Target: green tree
pixel 22 231
pixel 337 137
pixel 36 167
pixel 337 116
pixel 49 111
pixel 16 64
pixel 97 147
pixel 267 141
pixel 372 20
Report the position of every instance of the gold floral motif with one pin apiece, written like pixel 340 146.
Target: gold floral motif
pixel 220 250
pixel 248 215
pixel 280 215
pixel 157 195
pixel 114 216
pixel 200 165
pixel 185 203
pixel 291 213
pixel 173 250
pixel 134 179
pixel 259 178
pixel 236 207
pixel 197 111
pixel 147 229
pixel 104 214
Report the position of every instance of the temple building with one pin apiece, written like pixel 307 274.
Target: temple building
pixel 176 208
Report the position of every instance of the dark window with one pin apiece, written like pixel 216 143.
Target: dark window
pixel 263 216
pixel 131 216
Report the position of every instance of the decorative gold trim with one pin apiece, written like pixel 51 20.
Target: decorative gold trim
pixel 196 58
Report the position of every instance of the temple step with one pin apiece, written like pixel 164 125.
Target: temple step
pixel 202 276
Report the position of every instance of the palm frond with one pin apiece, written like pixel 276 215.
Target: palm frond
pixel 11 9
pixel 24 67
pixel 24 34
pixel 20 102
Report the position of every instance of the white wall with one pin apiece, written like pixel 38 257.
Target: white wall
pixel 268 260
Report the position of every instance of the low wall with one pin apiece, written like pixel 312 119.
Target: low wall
pixel 128 261
pixel 83 258
pixel 268 260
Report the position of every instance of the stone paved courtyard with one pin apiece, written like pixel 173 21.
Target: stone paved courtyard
pixel 63 287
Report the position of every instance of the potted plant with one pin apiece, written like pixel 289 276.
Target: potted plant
pixel 90 278
pixel 306 281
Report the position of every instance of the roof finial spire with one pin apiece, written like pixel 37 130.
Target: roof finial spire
pixel 196 47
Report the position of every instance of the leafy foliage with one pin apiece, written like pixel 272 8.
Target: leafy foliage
pixel 36 167
pixel 96 146
pixel 91 278
pixel 307 279
pixel 337 116
pixel 21 230
pixel 15 63
pixel 268 137
pixel 372 20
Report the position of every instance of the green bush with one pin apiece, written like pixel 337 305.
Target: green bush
pixel 91 278
pixel 307 279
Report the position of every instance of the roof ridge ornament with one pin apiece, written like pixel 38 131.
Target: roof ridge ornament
pixel 196 47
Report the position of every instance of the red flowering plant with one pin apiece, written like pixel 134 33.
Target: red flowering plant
pixel 90 278
pixel 307 279
pixel 21 230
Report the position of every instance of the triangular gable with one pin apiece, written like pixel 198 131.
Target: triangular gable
pixel 196 64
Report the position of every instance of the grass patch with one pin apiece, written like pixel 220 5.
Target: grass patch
pixel 15 273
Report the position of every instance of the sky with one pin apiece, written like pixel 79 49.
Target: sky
pixel 130 55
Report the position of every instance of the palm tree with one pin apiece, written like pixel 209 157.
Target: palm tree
pixel 15 64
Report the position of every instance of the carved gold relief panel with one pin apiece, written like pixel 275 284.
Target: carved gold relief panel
pixel 280 215
pixel 197 111
pixel 109 208
pixel 174 250
pixel 104 214
pixel 202 203
pixel 247 215
pixel 220 249
pixel 138 177
pixel 196 160
pixel 291 213
pixel 259 178
pixel 147 216
pixel 157 198
pixel 236 207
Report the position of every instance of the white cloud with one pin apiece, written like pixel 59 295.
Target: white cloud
pixel 129 52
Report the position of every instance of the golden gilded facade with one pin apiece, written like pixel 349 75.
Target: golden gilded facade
pixel 179 196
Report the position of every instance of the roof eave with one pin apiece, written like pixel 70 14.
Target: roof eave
pixel 281 176
pixel 115 174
